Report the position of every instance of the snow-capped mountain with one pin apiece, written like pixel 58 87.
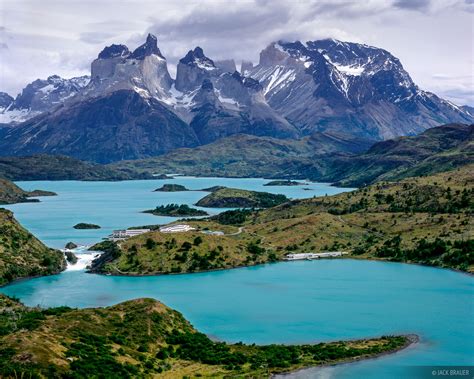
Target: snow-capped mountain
pixel 41 96
pixel 144 71
pixel 5 101
pixel 132 108
pixel 221 103
pixel 347 87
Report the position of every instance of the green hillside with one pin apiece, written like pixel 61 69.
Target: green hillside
pixel 22 255
pixel 250 156
pixel 58 167
pixel 320 157
pixel 421 220
pixel 436 150
pixel 145 338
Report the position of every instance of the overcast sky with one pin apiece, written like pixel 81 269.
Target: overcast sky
pixel 432 38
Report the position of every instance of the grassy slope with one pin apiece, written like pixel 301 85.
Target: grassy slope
pixel 56 167
pixel 438 149
pixel 320 157
pixel 364 222
pixel 239 156
pixel 144 338
pixel 21 254
pixel 10 193
pixel 234 198
pixel 251 156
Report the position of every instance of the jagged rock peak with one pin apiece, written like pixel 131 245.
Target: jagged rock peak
pixel 247 81
pixel 273 54
pixel 150 47
pixel 245 67
pixel 197 58
pixel 114 51
pixel 5 100
pixel 207 85
pixel 252 84
pixel 236 75
pixel 226 65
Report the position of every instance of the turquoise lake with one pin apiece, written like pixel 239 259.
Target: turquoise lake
pixel 294 302
pixel 118 205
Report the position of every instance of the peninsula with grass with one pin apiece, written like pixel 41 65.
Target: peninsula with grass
pixel 425 220
pixel 145 338
pixel 239 198
pixel 176 210
pixel 10 193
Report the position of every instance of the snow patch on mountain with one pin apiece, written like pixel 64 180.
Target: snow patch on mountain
pixel 40 96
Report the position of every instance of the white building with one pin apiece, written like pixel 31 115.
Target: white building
pixel 178 228
pixel 299 256
pixel 127 233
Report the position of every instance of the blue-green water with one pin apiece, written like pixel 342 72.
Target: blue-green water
pixel 306 301
pixel 118 205
pixel 291 302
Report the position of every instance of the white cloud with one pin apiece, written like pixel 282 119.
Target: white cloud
pixel 58 37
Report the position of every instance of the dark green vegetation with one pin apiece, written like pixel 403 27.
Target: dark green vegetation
pixel 58 167
pixel 171 188
pixel 232 217
pixel 144 338
pixel 435 150
pixel 328 157
pixel 321 157
pixel 84 225
pixel 10 193
pixel 21 254
pixel 176 210
pixel 251 156
pixel 458 253
pixel 421 220
pixel 238 198
pixel 284 183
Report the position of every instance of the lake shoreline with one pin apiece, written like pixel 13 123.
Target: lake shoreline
pixel 119 274
pixel 412 341
pixel 25 278
pixel 356 258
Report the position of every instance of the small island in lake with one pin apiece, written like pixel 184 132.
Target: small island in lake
pixel 70 245
pixel 84 225
pixel 284 183
pixel 238 198
pixel 171 188
pixel 176 210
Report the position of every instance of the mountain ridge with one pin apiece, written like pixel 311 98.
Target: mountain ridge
pixel 328 157
pixel 297 89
